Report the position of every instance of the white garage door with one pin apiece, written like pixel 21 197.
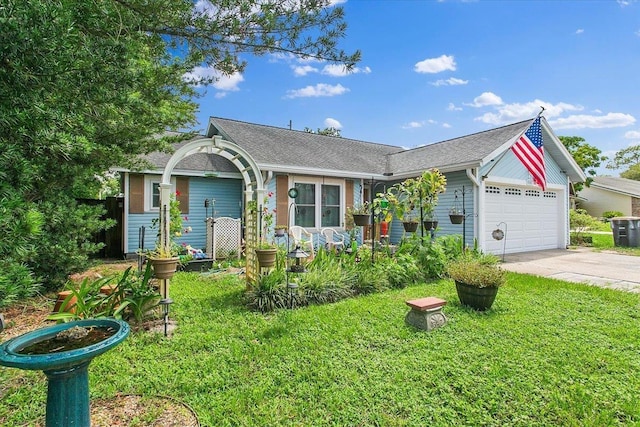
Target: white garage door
pixel 533 218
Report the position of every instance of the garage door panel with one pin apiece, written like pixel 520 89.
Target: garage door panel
pixel 532 217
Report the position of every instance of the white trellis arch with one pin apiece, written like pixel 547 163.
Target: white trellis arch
pixel 253 183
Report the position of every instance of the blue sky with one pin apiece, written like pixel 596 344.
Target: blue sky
pixel 436 70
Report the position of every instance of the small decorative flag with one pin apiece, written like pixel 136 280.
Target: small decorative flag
pixel 529 149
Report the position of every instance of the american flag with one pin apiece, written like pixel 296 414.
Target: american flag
pixel 528 148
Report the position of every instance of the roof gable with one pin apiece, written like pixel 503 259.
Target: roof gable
pixel 617 185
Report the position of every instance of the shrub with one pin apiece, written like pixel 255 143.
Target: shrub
pixel 402 270
pixel 580 221
pixel 611 214
pixel 16 282
pixel 64 247
pixel 479 270
pixel 132 297
pixel 269 293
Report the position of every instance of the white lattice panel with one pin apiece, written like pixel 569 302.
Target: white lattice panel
pixel 227 240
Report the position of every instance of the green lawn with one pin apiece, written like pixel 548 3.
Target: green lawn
pixel 548 353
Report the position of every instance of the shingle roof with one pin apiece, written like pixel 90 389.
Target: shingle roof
pixel 465 150
pixel 284 147
pixel 618 185
pixel 274 146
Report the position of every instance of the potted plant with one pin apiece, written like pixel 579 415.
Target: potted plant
pixel 164 260
pixel 421 193
pixel 478 278
pixel 266 250
pixel 456 216
pixel 409 223
pixel 384 206
pixel 361 214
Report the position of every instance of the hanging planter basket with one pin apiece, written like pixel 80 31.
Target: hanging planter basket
pixel 266 257
pixel 410 227
pixel 361 220
pixel 430 224
pixel 164 268
pixel 456 218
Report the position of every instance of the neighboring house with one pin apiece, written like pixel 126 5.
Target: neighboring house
pixel 333 173
pixel 611 194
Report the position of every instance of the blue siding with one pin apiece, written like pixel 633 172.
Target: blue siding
pixel 228 199
pixel 510 167
pixel 455 181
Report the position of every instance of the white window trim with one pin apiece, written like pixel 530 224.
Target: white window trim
pixel 318 182
pixel 149 180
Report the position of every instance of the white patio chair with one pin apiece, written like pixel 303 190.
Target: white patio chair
pixel 303 238
pixel 333 239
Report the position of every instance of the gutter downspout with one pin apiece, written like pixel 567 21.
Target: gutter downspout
pixel 478 205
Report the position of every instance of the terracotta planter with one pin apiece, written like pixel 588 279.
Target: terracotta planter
pixel 477 298
pixel 456 218
pixel 266 257
pixel 71 306
pixel 361 220
pixel 164 268
pixel 410 227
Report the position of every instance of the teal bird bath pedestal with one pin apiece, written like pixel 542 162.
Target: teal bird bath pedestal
pixel 63 352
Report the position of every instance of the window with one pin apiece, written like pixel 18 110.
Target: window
pixel 152 191
pixel 319 203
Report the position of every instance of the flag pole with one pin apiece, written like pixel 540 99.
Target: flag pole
pixel 507 150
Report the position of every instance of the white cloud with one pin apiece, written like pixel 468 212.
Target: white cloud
pixel 336 70
pixel 579 31
pixel 303 70
pixel 486 99
pixel 436 65
pixel 321 89
pixel 638 33
pixel 452 107
pixel 632 134
pixel 450 82
pixel 229 83
pixel 624 3
pixel 413 125
pixel 446 125
pixel 222 82
pixel 509 113
pixel 332 123
pixel 583 121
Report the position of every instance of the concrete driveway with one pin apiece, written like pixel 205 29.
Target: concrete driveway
pixel 604 269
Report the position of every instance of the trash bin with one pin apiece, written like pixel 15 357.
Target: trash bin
pixel 626 231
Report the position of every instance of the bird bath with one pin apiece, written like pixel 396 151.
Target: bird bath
pixel 64 352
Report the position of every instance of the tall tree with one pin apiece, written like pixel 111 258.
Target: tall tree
pixel 88 85
pixel 328 131
pixel 586 156
pixel 632 173
pixel 629 157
